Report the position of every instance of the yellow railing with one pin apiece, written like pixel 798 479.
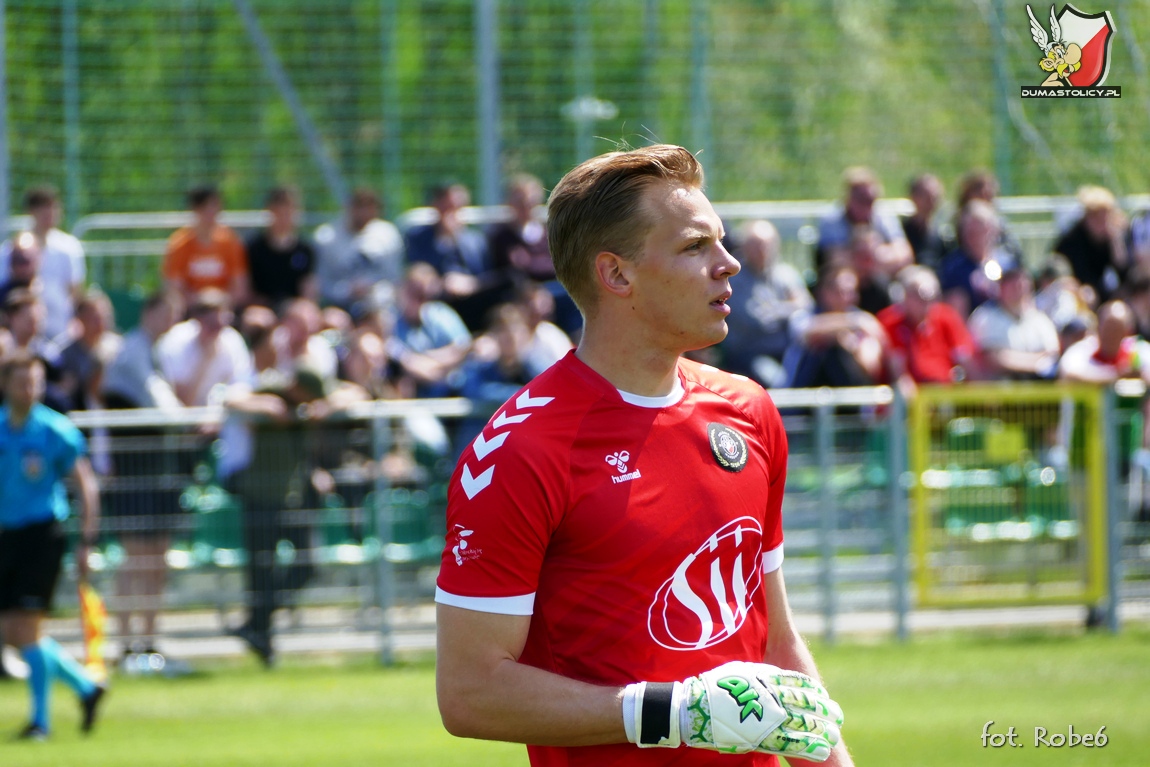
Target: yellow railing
pixel 1008 504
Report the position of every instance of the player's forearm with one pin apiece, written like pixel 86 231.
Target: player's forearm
pixel 523 704
pixel 791 652
pixel 88 490
pixel 485 692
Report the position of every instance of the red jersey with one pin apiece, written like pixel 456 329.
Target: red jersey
pixel 934 347
pixel 634 531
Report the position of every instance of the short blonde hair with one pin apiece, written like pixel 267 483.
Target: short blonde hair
pixel 1096 198
pixel 597 207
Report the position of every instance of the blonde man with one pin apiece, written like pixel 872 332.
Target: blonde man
pixel 614 533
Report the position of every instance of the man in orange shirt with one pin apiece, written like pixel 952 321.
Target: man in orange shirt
pixel 206 254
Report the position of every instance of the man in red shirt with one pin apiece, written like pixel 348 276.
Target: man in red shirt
pixel 615 532
pixel 928 340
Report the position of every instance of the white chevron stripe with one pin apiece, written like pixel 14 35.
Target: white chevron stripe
pixel 484 447
pixel 503 419
pixel 473 485
pixel 525 400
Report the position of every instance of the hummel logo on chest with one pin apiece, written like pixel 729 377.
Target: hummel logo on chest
pixel 619 461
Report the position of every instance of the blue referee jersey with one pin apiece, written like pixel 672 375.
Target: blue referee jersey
pixel 33 461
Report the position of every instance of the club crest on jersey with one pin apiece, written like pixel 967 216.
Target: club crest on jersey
pixel 462 549
pixel 32 465
pixel 728 446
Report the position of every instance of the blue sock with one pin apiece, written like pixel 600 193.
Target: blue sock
pixel 66 667
pixel 39 681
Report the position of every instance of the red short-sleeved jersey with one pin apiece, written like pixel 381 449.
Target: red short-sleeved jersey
pixel 634 531
pixel 932 348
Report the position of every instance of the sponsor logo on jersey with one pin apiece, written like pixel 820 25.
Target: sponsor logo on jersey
pixel 462 549
pixel 619 461
pixel 728 445
pixel 708 597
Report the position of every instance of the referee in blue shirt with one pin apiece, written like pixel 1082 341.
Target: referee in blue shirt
pixel 39 448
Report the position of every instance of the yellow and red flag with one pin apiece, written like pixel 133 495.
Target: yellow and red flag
pixel 93 619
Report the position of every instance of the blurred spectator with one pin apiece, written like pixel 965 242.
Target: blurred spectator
pixel 298 342
pixel 22 330
pixel 282 263
pixel 1136 292
pixel 982 185
pixel 24 267
pixel 765 294
pixel 498 368
pixel 969 274
pixel 24 275
pixel 360 256
pixel 1096 244
pixel 24 316
pixel 82 362
pixel 548 343
pixel 59 259
pixel 928 340
pixel 921 230
pixel 142 510
pixel 1112 353
pixel 1016 340
pixel 836 344
pixel 862 191
pixel 430 342
pixel 1060 296
pixel 367 364
pixel 519 246
pixel 874 282
pixel 257 326
pixel 206 254
pixel 134 379
pixel 1139 239
pixel 472 284
pixel 274 485
pixel 204 352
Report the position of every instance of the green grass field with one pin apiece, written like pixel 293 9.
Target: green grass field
pixel 923 703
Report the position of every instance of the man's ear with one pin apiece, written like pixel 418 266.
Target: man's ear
pixel 613 273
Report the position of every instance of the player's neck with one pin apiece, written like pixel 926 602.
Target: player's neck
pixel 626 365
pixel 17 416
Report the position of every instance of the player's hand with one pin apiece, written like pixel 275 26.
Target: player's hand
pixel 736 708
pixel 740 707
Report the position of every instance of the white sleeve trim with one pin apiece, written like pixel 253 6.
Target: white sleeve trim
pixel 773 559
pixel 522 605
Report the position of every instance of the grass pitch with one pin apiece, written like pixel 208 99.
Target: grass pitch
pixel 923 703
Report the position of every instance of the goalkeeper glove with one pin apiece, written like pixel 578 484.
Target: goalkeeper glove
pixel 736 708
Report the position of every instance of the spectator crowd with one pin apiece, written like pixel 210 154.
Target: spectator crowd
pixel 281 325
pixel 918 299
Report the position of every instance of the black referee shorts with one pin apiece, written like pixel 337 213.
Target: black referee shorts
pixel 30 559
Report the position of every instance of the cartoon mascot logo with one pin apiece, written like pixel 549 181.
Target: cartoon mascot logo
pixel 708 597
pixel 1076 53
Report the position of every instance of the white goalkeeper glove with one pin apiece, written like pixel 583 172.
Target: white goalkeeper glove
pixel 736 708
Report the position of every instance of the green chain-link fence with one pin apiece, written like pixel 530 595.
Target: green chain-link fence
pixel 125 103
